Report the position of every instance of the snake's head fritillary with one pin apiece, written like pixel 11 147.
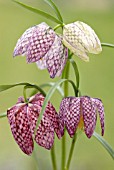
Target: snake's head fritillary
pixel 80 112
pixel 23 118
pixel 42 45
pixel 81 39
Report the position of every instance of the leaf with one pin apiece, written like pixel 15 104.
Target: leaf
pixel 104 144
pixel 52 84
pixel 28 85
pixel 107 45
pixel 42 13
pixel 76 71
pixel 3 115
pixel 54 7
pixel 49 95
pixel 6 87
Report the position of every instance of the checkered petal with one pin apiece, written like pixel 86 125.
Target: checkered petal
pixel 49 123
pixel 100 109
pixel 89 115
pixel 55 59
pixel 17 116
pixel 70 114
pixel 35 42
pixel 81 39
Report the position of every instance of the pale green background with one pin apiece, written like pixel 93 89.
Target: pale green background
pixel 97 80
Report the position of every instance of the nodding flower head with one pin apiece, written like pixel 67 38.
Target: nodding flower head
pixel 23 118
pixel 42 45
pixel 80 112
pixel 81 39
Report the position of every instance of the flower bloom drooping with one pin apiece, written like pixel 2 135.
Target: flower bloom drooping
pixel 42 45
pixel 81 39
pixel 23 118
pixel 81 112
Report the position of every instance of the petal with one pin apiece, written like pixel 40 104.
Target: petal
pixel 17 116
pixel 23 42
pixel 70 114
pixel 63 113
pixel 56 57
pixel 49 123
pixel 35 42
pixel 89 115
pixel 100 109
pixel 42 63
pixel 81 39
pixel 41 41
pixel 45 133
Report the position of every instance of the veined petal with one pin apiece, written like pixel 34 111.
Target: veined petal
pixel 89 115
pixel 81 39
pixel 56 57
pixel 100 109
pixel 20 128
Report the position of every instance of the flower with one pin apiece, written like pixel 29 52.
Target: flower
pixel 23 118
pixel 42 45
pixel 81 39
pixel 80 112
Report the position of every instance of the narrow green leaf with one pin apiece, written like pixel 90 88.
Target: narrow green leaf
pixel 54 7
pixel 3 115
pixel 49 95
pixel 6 87
pixel 76 72
pixel 42 13
pixel 104 144
pixel 60 90
pixel 107 45
pixel 28 85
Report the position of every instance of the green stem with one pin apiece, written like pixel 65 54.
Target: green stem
pixel 35 159
pixel 107 45
pixel 32 86
pixel 71 152
pixel 66 75
pixel 3 115
pixel 53 158
pixel 58 26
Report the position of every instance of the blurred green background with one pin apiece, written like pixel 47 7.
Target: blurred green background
pixel 97 80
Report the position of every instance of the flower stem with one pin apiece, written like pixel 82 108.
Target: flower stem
pixel 66 75
pixel 53 158
pixel 71 152
pixel 35 159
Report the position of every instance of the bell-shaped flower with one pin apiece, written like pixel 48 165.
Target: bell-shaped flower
pixel 80 112
pixel 81 39
pixel 42 45
pixel 23 118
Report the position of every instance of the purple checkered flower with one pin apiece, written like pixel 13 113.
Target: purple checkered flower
pixel 42 45
pixel 81 39
pixel 23 117
pixel 81 112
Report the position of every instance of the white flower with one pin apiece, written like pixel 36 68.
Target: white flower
pixel 81 39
